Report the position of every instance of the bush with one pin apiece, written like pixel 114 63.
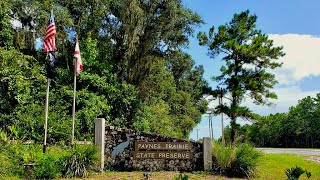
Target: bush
pixel 82 159
pixel 28 161
pixel 48 166
pixel 295 172
pixel 235 160
pixel 20 154
pixel 181 176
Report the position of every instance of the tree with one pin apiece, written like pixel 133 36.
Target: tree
pixel 5 27
pixel 248 55
pixel 135 72
pixel 147 30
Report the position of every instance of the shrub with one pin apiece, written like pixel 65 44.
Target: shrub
pixel 5 164
pixel 20 154
pixel 235 160
pixel 82 159
pixel 15 158
pixel 295 172
pixel 48 166
pixel 181 176
pixel 3 138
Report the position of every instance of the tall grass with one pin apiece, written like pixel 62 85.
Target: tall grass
pixel 82 159
pixel 235 160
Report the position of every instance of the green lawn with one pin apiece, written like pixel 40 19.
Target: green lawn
pixel 273 166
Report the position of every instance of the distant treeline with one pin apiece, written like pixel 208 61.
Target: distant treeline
pixel 300 127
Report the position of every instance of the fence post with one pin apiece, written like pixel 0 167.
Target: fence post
pixel 207 155
pixel 99 135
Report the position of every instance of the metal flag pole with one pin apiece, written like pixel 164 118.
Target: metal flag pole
pixel 46 116
pixel 197 134
pixel 77 61
pixel 49 48
pixel 74 100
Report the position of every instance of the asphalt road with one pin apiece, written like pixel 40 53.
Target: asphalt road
pixel 312 152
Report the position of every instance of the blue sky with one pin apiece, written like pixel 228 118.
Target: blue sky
pixel 293 24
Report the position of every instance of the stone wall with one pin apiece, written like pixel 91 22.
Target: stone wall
pixel 119 148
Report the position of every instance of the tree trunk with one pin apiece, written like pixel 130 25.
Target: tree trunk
pixel 233 130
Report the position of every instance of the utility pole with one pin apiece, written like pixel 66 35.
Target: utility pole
pixel 197 134
pixel 210 124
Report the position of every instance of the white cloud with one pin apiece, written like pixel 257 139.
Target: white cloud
pixel 302 57
pixel 287 97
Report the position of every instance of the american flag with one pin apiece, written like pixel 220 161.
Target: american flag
pixel 78 62
pixel 49 41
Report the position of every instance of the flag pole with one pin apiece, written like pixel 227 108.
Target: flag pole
pixel 74 95
pixel 46 116
pixel 49 48
pixel 74 101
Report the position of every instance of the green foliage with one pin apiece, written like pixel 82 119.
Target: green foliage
pixel 248 54
pixel 3 137
pixel 81 160
pixel 48 166
pixel 308 174
pixel 4 159
pixel 235 160
pixel 15 155
pixel 181 176
pixel 132 59
pixel 297 128
pixel 27 160
pixel 295 172
pixel 6 37
pixel 268 170
pixel 224 156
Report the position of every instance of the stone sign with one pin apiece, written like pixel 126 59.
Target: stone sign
pixel 129 150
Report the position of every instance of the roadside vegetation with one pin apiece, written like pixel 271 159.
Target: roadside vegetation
pixel 235 160
pixel 298 128
pixel 21 160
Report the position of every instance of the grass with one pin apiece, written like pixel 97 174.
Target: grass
pixel 167 175
pixel 273 166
